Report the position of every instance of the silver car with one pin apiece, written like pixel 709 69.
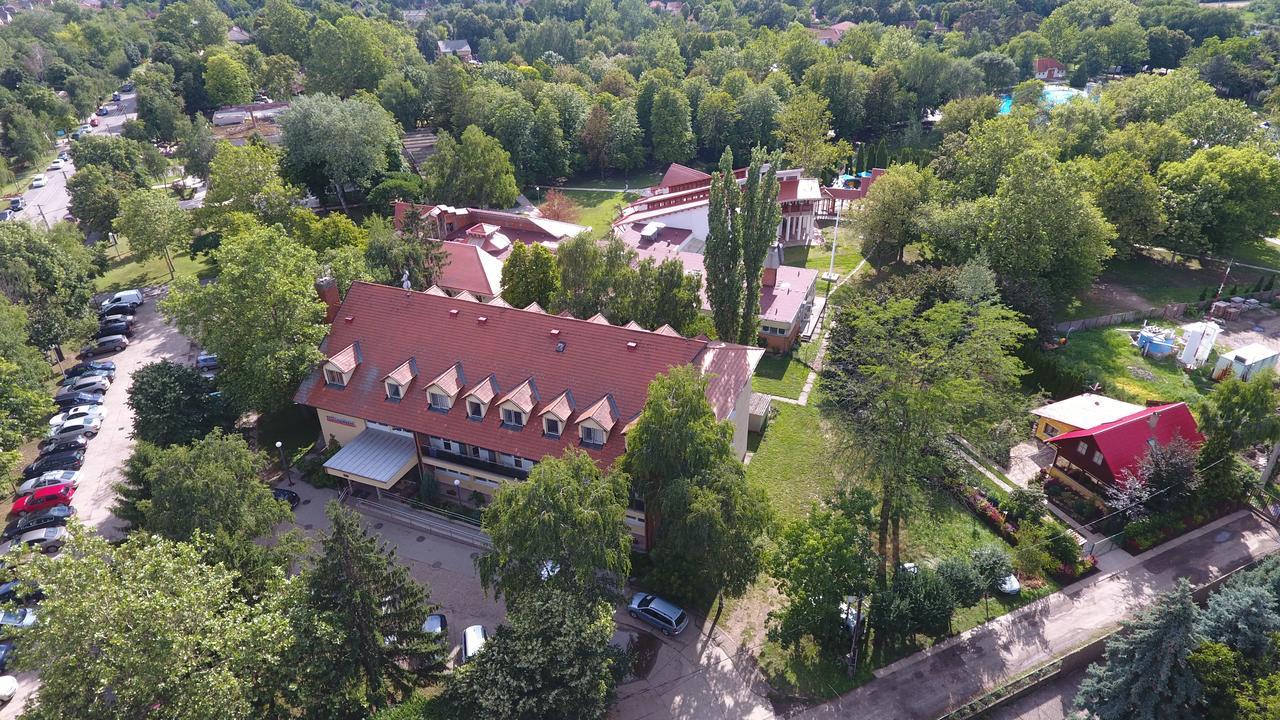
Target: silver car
pixel 473 639
pixel 87 383
pixel 659 613
pixel 87 426
pixel 78 411
pixel 20 618
pixel 53 477
pixel 46 540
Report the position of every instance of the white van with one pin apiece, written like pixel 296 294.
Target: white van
pixel 128 297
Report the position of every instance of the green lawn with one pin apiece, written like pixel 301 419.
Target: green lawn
pixel 123 272
pixel 1147 281
pixel 599 209
pixel 781 375
pixel 634 180
pixel 795 461
pixel 22 178
pixel 1263 253
pixel 1106 356
pixel 819 257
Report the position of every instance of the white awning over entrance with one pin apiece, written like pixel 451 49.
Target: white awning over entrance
pixel 375 457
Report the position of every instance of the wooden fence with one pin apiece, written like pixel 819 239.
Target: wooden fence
pixel 1168 312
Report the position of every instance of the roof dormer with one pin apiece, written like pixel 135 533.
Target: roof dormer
pixel 477 399
pixel 397 381
pixel 518 404
pixel 596 422
pixel 556 414
pixel 444 388
pixel 338 368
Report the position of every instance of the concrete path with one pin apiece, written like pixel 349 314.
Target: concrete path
pixel 968 453
pixel 931 683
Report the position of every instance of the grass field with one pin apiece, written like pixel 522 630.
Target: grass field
pixel 123 272
pixel 599 208
pixel 819 257
pixel 781 375
pixel 796 461
pixel 1153 280
pixel 1107 357
pixel 22 178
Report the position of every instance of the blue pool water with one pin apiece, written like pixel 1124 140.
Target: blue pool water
pixel 1053 96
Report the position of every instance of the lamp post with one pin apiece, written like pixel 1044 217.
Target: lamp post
pixel 284 464
pixel 457 489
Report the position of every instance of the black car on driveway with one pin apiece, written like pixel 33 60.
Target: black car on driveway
pixel 55 516
pixel 288 496
pixel 68 460
pixel 90 365
pixel 53 446
pixel 71 400
pixel 104 345
pixel 114 328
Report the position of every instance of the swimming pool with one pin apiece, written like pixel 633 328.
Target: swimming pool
pixel 1053 96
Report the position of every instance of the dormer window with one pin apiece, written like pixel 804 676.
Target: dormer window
pixel 333 377
pixel 395 390
pixel 438 401
pixel 337 371
pixel 551 427
pixel 512 418
pixel 591 435
pixel 475 410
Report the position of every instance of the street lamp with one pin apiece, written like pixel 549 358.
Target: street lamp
pixel 284 464
pixel 457 489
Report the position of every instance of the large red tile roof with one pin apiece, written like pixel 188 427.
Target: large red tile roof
pixel 513 346
pixel 1124 442
pixel 470 269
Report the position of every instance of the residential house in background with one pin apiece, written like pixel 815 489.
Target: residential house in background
pixel 238 123
pixel 831 35
pixel 470 269
pixel 1082 412
pixel 491 230
pixel 238 35
pixel 1050 70
pixel 683 198
pixel 1093 458
pixel 459 48
pixel 438 396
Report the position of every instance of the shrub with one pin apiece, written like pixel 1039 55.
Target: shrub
pixel 966 588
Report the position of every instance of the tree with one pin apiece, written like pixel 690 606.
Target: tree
pixel 671 127
pixel 472 172
pixel 960 114
pixel 533 668
pixel 173 405
pixel 196 147
pixel 530 276
pixel 391 252
pixel 803 127
pixel 760 217
pixel 1129 198
pixel 211 492
pixel 50 273
pixel 595 138
pixel 226 81
pixel 149 624
pixel 585 550
pixel 1242 617
pixel 558 206
pixel 95 201
pixel 1031 557
pixel 281 27
pixel 1146 672
pixel 1025 504
pixel 26 136
pixel 717 122
pixel 197 24
pixel 155 224
pixel 962 579
pixel 991 565
pixel 346 56
pixel 280 74
pixel 262 318
pixel 723 253
pixel 246 179
pixel 887 215
pixel 820 560
pixel 331 142
pixel 360 638
pixel 405 186
pixel 710 521
pixel 548 148
pixel 891 402
pixel 1234 418
pixel 1237 185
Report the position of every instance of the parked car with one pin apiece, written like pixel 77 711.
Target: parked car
pixel 93 122
pixel 86 426
pixel 288 496
pixel 57 477
pixel 659 613
pixel 104 345
pixel 127 319
pixel 436 624
pixel 43 499
pixel 120 308
pixel 17 204
pixel 86 366
pixel 473 640
pixel 103 111
pixel 85 383
pixel 45 540
pixel 1010 585
pixel 69 460
pixel 77 412
pixel 73 399
pixel 20 618
pixel 850 615
pixel 132 298
pixel 7 214
pixel 39 181
pixel 115 96
pixel 14 592
pixel 8 688
pixel 53 446
pixel 206 361
pixel 55 516
pixel 107 329
pixel 108 373
pixel 55 165
pixel 6 653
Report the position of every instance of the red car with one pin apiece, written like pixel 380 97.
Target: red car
pixel 42 499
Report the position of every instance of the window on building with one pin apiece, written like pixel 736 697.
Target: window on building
pixel 551 427
pixel 514 418
pixel 518 462
pixel 475 410
pixel 333 377
pixel 592 436
pixel 449 445
pixel 438 401
pixel 1082 448
pixel 1050 430
pixel 1097 457
pixel 394 391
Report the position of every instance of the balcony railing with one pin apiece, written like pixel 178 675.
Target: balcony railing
pixel 476 463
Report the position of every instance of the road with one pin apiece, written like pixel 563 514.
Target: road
pixel 48 205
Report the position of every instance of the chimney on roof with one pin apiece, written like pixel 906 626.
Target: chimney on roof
pixel 771 263
pixel 482 319
pixel 327 289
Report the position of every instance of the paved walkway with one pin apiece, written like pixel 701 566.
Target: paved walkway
pixel 931 683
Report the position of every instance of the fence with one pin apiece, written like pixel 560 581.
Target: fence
pixel 1168 312
pixel 421 518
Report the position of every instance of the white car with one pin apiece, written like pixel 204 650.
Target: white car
pixel 39 181
pixel 8 688
pixel 473 639
pixel 78 411
pixel 131 297
pixel 53 477
pixel 88 383
pixel 88 426
pixel 55 165
pixel 1010 585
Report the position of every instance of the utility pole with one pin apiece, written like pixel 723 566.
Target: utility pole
pixel 831 267
pixel 1224 278
pixel 40 209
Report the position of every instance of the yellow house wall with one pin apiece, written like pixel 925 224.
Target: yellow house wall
pixel 1043 425
pixel 343 428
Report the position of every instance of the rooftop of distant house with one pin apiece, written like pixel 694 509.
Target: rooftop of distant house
pixel 470 269
pixel 1087 410
pixel 577 369
pixel 492 230
pixel 1124 442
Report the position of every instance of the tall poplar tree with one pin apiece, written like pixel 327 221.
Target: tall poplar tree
pixel 723 253
pixel 760 217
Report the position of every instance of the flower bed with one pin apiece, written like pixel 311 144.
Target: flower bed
pixel 1142 535
pixel 1066 573
pixel 988 508
pixel 1077 506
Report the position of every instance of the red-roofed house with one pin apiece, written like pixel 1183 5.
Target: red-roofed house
pixel 831 35
pixel 1099 455
pixel 470 269
pixel 491 230
pixel 469 395
pixel 683 198
pixel 1050 69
